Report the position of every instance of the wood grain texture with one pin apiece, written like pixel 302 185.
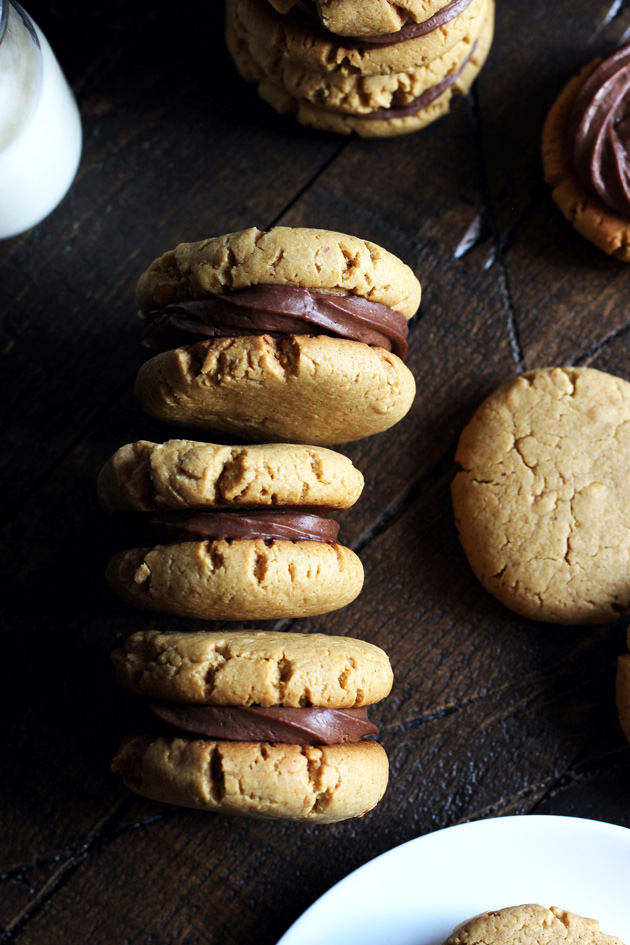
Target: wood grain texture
pixel 490 714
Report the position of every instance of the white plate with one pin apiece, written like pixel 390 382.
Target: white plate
pixel 418 892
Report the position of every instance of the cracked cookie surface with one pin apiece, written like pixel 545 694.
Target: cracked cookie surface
pixel 254 668
pixel 530 925
pixel 542 501
pixel 253 579
pixel 258 780
pixel 184 474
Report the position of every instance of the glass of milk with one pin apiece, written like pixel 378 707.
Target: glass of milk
pixel 40 128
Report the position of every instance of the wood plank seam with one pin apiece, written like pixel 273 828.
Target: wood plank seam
pixel 497 257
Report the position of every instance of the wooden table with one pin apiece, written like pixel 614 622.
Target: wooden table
pixel 490 714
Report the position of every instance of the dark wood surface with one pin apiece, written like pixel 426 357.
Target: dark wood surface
pixel 490 714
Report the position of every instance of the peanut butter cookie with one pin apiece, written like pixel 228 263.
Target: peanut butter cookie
pixel 542 501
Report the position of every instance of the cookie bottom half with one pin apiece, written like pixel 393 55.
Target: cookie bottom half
pixel 260 780
pixel 297 388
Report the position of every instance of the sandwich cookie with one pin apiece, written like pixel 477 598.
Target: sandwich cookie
pixel 379 20
pixel 542 501
pixel 586 153
pixel 623 690
pixel 530 925
pixel 235 532
pixel 264 724
pixel 371 99
pixel 302 334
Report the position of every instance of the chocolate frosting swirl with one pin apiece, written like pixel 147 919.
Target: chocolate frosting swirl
pixel 599 132
pixel 171 527
pixel 275 309
pixel 309 726
pixel 304 14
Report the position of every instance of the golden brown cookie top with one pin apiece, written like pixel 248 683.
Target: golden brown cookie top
pixel 291 256
pixel 542 502
pixel 181 474
pixel 530 925
pixel 254 667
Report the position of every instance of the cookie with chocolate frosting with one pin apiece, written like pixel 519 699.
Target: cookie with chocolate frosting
pixel 586 153
pixel 623 690
pixel 530 924
pixel 303 333
pixel 258 723
pixel 542 498
pixel 372 106
pixel 221 545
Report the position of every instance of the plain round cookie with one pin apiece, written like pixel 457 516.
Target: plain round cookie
pixel 266 668
pixel 542 501
pixel 271 36
pixel 240 580
pixel 623 691
pixel 590 216
pixel 530 925
pixel 284 83
pixel 294 256
pixel 297 388
pixel 184 474
pixel 318 785
pixel 376 18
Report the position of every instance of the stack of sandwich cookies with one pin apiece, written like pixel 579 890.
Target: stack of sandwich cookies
pixel 232 533
pixel 294 334
pixel 377 85
pixel 261 723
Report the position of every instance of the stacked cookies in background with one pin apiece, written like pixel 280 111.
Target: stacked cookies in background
pixel 378 69
pixel 296 335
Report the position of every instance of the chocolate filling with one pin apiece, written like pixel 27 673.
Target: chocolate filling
pixel 422 101
pixel 169 527
pixel 274 309
pixel 310 726
pixel 305 15
pixel 599 132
